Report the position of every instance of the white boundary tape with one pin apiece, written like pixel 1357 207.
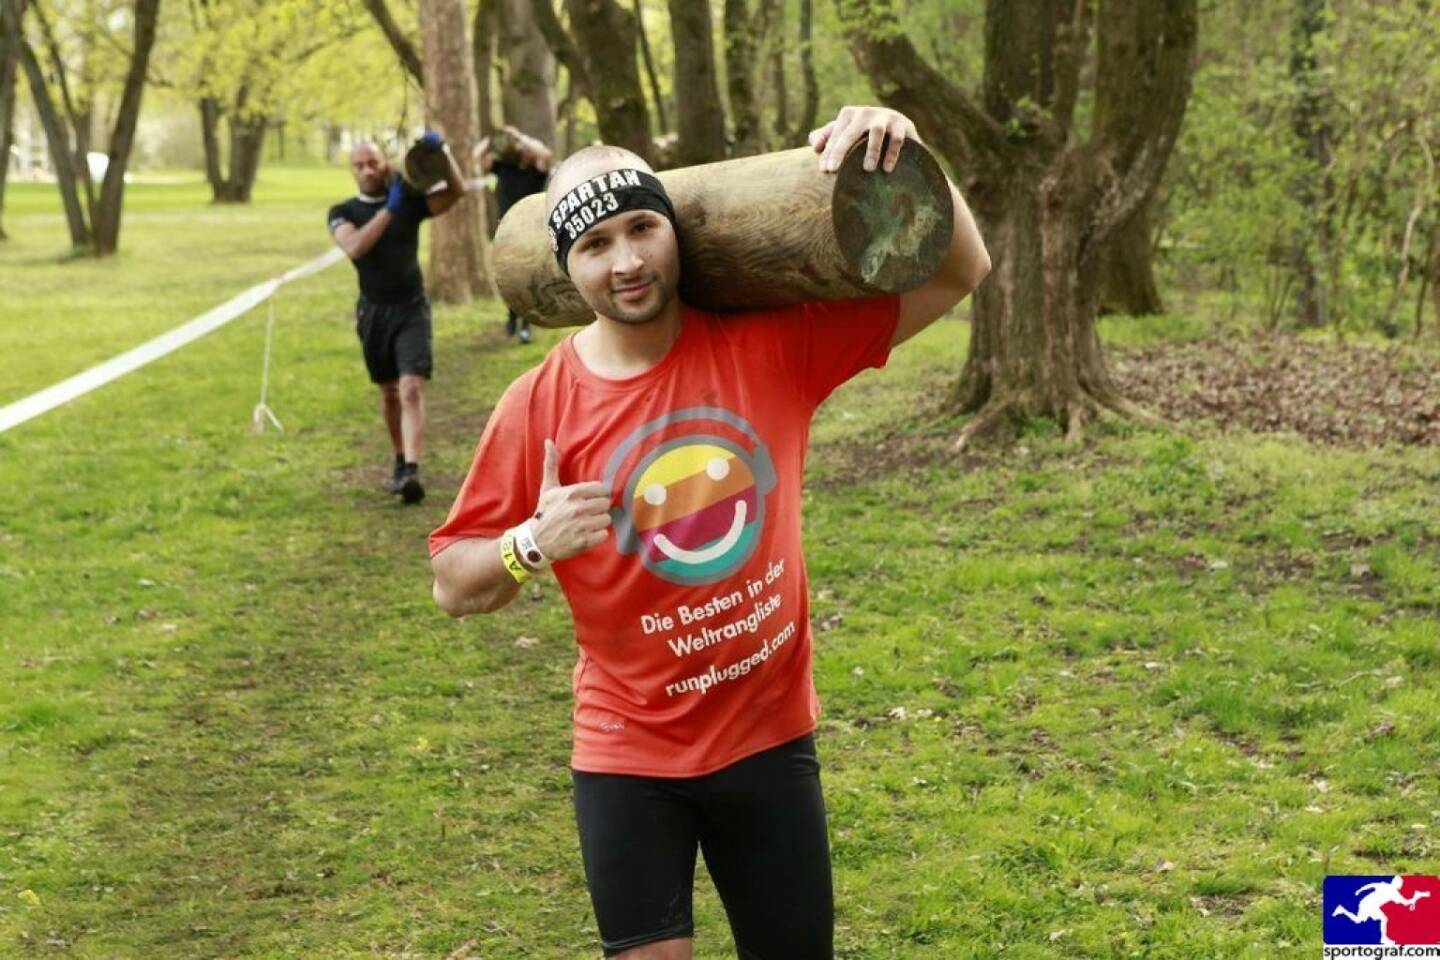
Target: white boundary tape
pixel 168 342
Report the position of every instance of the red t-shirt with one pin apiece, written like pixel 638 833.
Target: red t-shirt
pixel 693 616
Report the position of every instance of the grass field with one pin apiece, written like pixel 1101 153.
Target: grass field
pixel 1129 700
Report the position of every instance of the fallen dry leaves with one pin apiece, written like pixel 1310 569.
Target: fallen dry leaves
pixel 1353 395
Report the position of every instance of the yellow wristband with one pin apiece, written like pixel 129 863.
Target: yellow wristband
pixel 511 559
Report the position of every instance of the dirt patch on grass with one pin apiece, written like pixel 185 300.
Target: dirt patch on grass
pixel 454 412
pixel 1345 394
pixel 450 413
pixel 1224 906
pixel 920 442
pixel 863 459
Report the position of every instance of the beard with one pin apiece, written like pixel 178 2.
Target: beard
pixel 657 297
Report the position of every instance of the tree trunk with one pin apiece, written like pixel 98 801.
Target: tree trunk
pixel 1314 187
pixel 745 37
pixel 567 114
pixel 810 108
pixel 9 64
pixel 701 118
pixel 529 96
pixel 1434 285
pixel 210 142
pixel 781 126
pixel 246 148
pixel 605 37
pixel 1129 270
pixel 1432 280
pixel 80 117
pixel 456 266
pixel 482 39
pixel 1034 348
pixel 56 135
pixel 247 143
pixel 122 137
pixel 649 61
pixel 1047 203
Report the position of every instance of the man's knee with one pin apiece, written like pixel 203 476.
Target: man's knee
pixel 412 389
pixel 390 390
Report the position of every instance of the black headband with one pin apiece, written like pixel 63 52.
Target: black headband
pixel 600 198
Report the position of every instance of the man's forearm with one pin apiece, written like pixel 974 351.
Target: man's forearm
pixel 455 189
pixel 454 179
pixel 471 578
pixel 362 241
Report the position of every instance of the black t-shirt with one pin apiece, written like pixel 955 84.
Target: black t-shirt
pixel 514 183
pixel 390 272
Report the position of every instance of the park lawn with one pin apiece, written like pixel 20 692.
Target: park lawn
pixel 1129 700
pixel 179 256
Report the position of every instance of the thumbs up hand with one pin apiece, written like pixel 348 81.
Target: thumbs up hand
pixel 569 519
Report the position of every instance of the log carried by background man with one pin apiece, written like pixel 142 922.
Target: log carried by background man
pixel 765 231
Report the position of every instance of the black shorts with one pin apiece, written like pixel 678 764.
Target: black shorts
pixel 395 338
pixel 760 823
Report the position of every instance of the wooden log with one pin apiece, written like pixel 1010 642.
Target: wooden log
pixel 760 232
pixel 505 146
pixel 424 167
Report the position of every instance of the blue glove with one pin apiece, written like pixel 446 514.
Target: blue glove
pixel 433 140
pixel 398 194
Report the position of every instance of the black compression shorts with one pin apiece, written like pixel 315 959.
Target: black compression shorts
pixel 760 823
pixel 395 338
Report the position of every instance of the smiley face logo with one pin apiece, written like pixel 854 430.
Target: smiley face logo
pixel 693 507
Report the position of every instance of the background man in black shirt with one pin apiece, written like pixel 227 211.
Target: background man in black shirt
pixel 379 230
pixel 521 165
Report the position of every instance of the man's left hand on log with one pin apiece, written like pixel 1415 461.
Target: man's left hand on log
pixel 853 124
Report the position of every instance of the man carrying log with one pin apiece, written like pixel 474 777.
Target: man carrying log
pixel 654 460
pixel 521 165
pixel 379 230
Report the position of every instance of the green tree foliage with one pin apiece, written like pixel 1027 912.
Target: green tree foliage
pixel 78 51
pixel 1232 205
pixel 252 64
pixel 1381 62
pixel 1229 208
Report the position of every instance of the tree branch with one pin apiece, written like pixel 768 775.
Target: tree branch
pixel 12 13
pixel 1072 43
pixel 122 135
pixel 944 115
pixel 562 46
pixel 57 63
pixel 400 43
pixel 300 56
pixel 80 141
pixel 1144 72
